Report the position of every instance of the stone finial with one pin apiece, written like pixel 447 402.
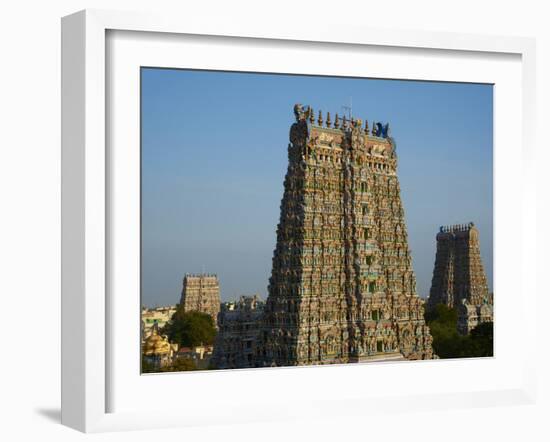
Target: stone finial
pixel 336 122
pixel 367 127
pixel 311 115
pixel 344 122
pixel 329 122
pixel 374 131
pixel 320 119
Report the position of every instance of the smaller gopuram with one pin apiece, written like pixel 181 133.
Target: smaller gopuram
pixel 201 293
pixel 459 279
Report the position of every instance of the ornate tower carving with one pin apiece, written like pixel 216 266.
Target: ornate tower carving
pixel 342 287
pixel 237 339
pixel 459 279
pixel 201 293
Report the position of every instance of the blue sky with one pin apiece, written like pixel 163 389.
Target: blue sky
pixel 214 156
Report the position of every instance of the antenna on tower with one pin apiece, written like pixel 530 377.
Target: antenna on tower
pixel 349 109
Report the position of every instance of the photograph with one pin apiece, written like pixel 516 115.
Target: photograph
pixel 288 221
pixel 302 220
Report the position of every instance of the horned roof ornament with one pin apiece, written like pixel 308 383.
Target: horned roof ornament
pixel 307 114
pixel 298 111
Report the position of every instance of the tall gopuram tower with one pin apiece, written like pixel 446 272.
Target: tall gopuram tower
pixel 459 279
pixel 342 287
pixel 201 293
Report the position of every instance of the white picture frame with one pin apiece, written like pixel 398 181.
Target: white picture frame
pixel 86 205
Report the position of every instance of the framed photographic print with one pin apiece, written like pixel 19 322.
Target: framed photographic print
pixel 300 221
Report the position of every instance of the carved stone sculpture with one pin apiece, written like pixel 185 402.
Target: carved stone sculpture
pixel 342 279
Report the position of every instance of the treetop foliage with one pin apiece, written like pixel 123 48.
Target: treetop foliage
pixel 190 329
pixel 448 343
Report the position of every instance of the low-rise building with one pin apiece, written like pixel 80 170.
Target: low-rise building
pixel 470 316
pixel 239 328
pixel 200 355
pixel 156 315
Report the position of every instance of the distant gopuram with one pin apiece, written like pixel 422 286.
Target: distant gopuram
pixel 459 279
pixel 201 293
pixel 342 287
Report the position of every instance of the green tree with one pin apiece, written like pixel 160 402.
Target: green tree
pixel 481 340
pixel 180 364
pixel 442 314
pixel 442 321
pixel 448 343
pixel 189 329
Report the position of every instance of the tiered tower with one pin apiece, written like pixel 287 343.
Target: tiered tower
pixel 459 279
pixel 201 293
pixel 342 287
